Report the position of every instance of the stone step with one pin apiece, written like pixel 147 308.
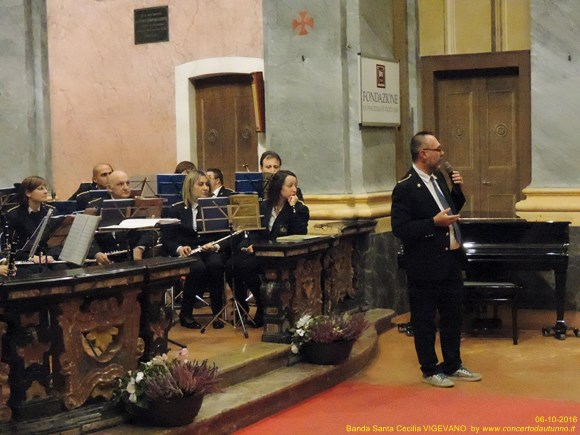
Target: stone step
pixel 268 378
pixel 258 397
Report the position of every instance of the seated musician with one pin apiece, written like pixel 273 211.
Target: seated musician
pixel 270 163
pixel 24 218
pixel 119 187
pixel 101 172
pixel 216 181
pixel 185 167
pixel 283 214
pixel 183 238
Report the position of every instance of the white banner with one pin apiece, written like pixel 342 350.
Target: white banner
pixel 380 100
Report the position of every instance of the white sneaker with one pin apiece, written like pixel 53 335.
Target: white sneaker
pixel 462 374
pixel 438 380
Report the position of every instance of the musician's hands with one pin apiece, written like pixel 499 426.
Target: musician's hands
pixel 442 219
pixel 4 270
pixel 249 249
pixel 292 200
pixel 44 259
pixel 212 247
pixel 102 258
pixel 184 251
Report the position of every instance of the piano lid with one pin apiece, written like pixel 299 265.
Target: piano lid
pixel 512 235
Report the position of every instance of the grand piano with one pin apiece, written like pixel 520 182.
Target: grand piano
pixel 496 247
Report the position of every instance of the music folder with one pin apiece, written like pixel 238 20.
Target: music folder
pixel 80 236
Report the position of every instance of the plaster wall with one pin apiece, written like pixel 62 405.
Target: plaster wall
pixel 113 100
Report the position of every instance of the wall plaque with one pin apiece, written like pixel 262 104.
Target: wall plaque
pixel 151 25
pixel 379 93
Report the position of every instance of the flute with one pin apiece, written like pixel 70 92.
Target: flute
pixel 199 248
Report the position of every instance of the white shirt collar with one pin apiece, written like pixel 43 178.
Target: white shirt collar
pixel 424 176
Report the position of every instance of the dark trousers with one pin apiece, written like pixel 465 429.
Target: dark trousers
pixel 427 298
pixel 206 273
pixel 243 271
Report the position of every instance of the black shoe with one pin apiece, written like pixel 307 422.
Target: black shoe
pixel 189 322
pixel 218 324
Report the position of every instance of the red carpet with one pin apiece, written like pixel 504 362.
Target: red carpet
pixel 363 408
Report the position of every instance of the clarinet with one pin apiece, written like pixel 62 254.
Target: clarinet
pixel 9 249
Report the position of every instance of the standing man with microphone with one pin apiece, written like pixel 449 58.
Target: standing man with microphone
pixel 424 217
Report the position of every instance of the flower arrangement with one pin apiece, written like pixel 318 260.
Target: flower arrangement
pixel 326 329
pixel 162 379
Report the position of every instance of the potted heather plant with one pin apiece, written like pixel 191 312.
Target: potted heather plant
pixel 164 392
pixel 327 339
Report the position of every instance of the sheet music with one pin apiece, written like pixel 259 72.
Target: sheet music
pixel 79 239
pixel 130 224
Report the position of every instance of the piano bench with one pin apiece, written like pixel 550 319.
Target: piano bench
pixel 480 293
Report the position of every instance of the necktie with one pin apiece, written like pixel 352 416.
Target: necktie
pixel 445 205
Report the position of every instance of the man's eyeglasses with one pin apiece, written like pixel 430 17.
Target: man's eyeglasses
pixel 439 150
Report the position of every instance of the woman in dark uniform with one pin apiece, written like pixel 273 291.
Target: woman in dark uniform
pixel 180 239
pixel 283 214
pixel 24 218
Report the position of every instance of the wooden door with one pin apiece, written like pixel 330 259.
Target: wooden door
pixel 226 127
pixel 477 125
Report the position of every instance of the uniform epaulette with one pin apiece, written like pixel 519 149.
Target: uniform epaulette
pixel 50 206
pixel 13 208
pixel 83 193
pixel 405 179
pixel 177 203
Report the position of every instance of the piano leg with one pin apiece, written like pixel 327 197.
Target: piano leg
pixel 559 329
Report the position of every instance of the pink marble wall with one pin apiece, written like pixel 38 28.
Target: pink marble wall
pixel 114 101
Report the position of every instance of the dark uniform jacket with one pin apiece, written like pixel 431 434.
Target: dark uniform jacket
pixel 23 224
pixel 224 191
pixel 426 246
pixel 83 187
pixel 290 221
pixel 175 235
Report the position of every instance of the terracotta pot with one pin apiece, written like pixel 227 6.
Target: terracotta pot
pixel 168 413
pixel 335 352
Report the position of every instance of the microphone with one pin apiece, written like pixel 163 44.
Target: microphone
pixel 449 169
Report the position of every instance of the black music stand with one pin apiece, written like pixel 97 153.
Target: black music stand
pixel 253 183
pixel 7 197
pixel 139 187
pixel 113 212
pixel 169 188
pixel 65 207
pixel 41 233
pixel 241 214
